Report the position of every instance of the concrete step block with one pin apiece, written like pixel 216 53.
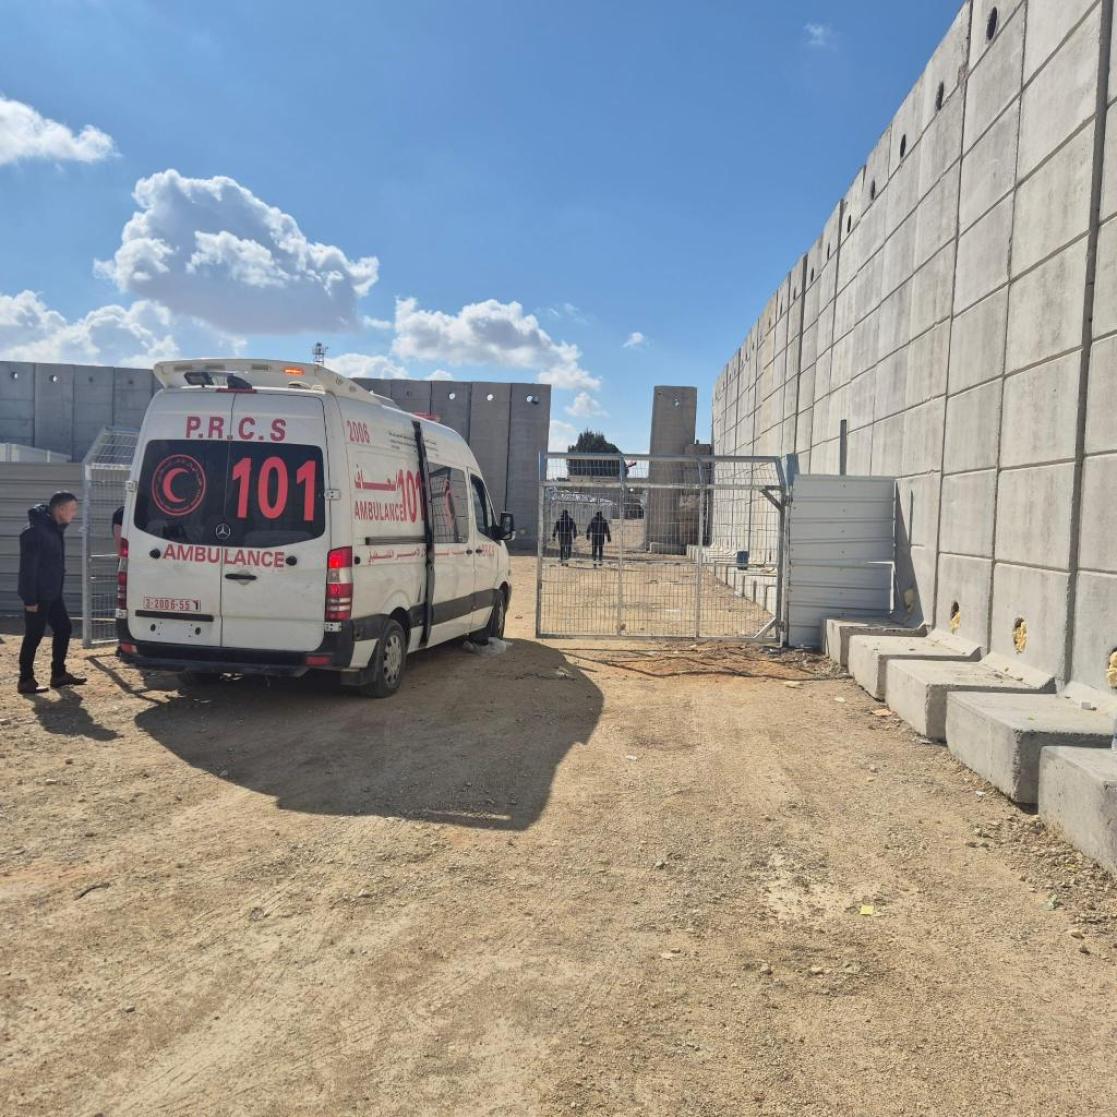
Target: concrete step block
pixel 1001 736
pixel 917 690
pixel 837 632
pixel 869 656
pixel 1078 797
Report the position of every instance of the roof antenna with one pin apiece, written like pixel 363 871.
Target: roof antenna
pixel 319 353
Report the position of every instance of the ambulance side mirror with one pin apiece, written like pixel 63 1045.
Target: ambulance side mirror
pixel 507 530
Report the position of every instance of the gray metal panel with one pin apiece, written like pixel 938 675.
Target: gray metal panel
pixel 841 551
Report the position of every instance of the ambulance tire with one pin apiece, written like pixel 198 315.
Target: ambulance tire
pixel 388 662
pixel 198 678
pixel 494 630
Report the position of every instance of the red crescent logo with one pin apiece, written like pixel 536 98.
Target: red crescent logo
pixel 168 484
pixel 191 488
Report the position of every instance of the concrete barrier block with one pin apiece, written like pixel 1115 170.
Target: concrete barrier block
pixel 1001 736
pixel 1078 797
pixel 932 291
pixel 973 422
pixel 1095 631
pixel 1040 413
pixel 977 346
pixel 1045 309
pixel 17 403
pixel 989 169
pixel 923 428
pixel 937 214
pixel 1099 514
pixel 837 632
pixel 983 256
pixel 869 656
pixel 964 597
pixel 1048 25
pixel 1053 206
pixel 918 690
pixel 1063 94
pixel 450 402
pixel 1105 280
pixel 968 500
pixel 54 408
pixel 995 70
pixel 1030 616
pixel 1034 514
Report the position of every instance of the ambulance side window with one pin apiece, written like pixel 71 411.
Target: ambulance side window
pixel 449 505
pixel 481 507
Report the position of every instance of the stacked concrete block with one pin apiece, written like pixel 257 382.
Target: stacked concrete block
pixel 529 423
pixel 1002 736
pixel 871 657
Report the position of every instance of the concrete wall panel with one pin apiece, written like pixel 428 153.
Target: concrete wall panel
pixel 1041 413
pixel 1039 598
pixel 54 408
pixel 17 403
pixel 969 500
pixel 965 583
pixel 1034 515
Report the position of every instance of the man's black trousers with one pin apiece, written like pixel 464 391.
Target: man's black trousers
pixel 52 613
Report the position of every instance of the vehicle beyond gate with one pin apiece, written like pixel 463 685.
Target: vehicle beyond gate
pixel 281 519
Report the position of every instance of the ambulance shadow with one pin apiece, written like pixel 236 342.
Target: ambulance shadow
pixel 470 740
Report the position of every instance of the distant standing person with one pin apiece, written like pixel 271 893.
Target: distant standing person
pixel 566 531
pixel 598 534
pixel 42 573
pixel 117 527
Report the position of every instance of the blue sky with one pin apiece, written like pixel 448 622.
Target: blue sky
pixel 601 195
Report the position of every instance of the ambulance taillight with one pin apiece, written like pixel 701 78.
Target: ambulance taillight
pixel 122 576
pixel 339 584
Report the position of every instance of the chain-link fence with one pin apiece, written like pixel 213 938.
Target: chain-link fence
pixel 641 546
pixel 104 474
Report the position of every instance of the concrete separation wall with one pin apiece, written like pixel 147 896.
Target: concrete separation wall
pixel 944 329
pixel 63 408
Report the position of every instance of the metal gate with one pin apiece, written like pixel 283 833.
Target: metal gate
pixel 641 546
pixel 104 473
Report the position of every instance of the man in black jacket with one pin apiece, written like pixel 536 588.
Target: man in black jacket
pixel 598 534
pixel 42 571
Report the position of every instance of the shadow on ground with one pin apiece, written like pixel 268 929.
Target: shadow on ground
pixel 469 740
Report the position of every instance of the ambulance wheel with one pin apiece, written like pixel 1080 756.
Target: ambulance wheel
pixel 494 630
pixel 388 663
pixel 198 678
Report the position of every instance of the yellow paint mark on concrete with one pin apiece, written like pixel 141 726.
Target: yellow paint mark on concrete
pixel 1020 635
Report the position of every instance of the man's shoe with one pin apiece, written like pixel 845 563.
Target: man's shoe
pixel 66 679
pixel 30 686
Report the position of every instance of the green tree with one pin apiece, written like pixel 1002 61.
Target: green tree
pixel 593 442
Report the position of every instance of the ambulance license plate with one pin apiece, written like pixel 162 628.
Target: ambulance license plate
pixel 173 604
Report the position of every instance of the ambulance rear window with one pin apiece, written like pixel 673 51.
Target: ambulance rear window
pixel 232 493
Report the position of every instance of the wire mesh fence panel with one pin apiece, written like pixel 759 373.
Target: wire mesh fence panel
pixel 105 470
pixel 660 547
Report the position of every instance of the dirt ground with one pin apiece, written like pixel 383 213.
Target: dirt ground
pixel 570 878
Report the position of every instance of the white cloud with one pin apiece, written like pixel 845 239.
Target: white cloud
pixel 376 323
pixel 27 134
pixel 635 340
pixel 441 374
pixel 211 249
pixel 488 333
pixel 563 435
pixel 585 407
pixel 568 310
pixel 370 365
pixel 819 35
pixel 111 335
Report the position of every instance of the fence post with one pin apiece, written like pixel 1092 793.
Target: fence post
pixel 698 550
pixel 86 558
pixel 539 544
pixel 620 547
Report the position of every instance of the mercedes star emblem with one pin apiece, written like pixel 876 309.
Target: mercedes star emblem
pixel 223 531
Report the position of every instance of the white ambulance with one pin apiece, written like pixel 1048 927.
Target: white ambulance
pixel 281 519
